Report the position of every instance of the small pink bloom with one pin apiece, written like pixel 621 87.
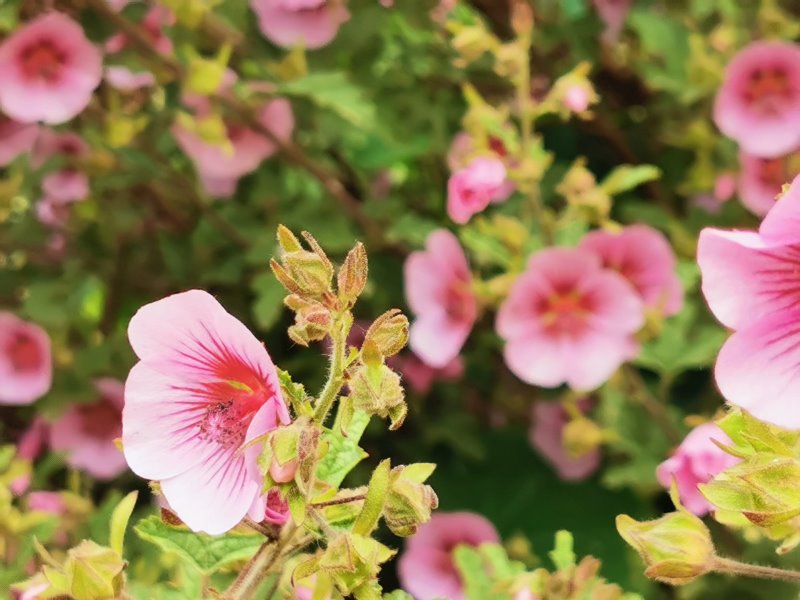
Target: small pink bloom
pixel 426 568
pixel 153 24
pixel 758 104
pixel 438 286
pixel 47 502
pixel 125 80
pixel 48 69
pixel 761 179
pixel 577 98
pixel 66 185
pixel 15 139
pixel 26 368
pixel 750 283
pixel 547 436
pixel 568 320
pixel 697 460
pixel 52 143
pixel 203 387
pixel 613 13
pixel 218 167
pixel 472 189
pixel 311 23
pixel 276 510
pixel 33 440
pixel 86 432
pixel 643 256
pixel 420 377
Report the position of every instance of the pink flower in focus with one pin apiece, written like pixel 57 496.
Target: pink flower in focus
pixel 758 104
pixel 26 368
pixel 547 436
pixel 761 179
pixel 472 189
pixel 568 320
pixel 750 283
pixel 426 569
pixel 697 460
pixel 310 23
pixel 613 13
pixel 125 80
pixel 219 168
pixel 153 24
pixel 420 377
pixel 643 256
pixel 48 69
pixel 86 432
pixel 15 139
pixel 203 387
pixel 438 286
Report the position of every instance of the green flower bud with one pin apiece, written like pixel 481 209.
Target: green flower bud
pixel 352 276
pixel 377 391
pixel 302 272
pixel 389 332
pixel 409 502
pixel 93 572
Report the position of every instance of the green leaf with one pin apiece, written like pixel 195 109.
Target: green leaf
pixel 627 177
pixel 398 595
pixel 562 555
pixel 334 91
pixel 268 304
pixel 344 453
pixel 370 513
pixel 205 552
pixel 119 522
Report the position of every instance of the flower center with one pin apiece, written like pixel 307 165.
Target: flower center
pixel 497 146
pixel 42 60
pixel 564 313
pixel 458 302
pixel 228 415
pixel 100 421
pixel 768 89
pixel 24 353
pixel 774 172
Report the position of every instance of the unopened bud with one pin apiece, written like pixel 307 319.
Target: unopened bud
pixel 521 18
pixel 472 42
pixel 312 321
pixel 302 272
pixel 93 572
pixel 378 392
pixel 389 332
pixel 581 436
pixel 352 275
pixel 677 548
pixel 409 502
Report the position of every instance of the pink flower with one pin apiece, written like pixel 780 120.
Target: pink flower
pixel 33 440
pixel 547 436
pixel 758 104
pixel 66 185
pixel 276 509
pixel 761 179
pixel 438 287
pixel 26 369
pixel 219 168
pixel 613 13
pixel 697 460
pixel 750 284
pixel 568 320
pixel 311 23
pixel 643 256
pixel 47 502
pixel 15 139
pixel 426 569
pixel 86 432
pixel 125 80
pixel 48 69
pixel 153 24
pixel 420 377
pixel 203 387
pixel 577 98
pixel 52 143
pixel 472 189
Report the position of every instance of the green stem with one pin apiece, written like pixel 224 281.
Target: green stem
pixel 651 404
pixel 335 380
pixel 253 573
pixel 734 567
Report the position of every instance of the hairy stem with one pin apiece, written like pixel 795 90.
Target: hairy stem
pixel 337 501
pixel 734 567
pixel 335 380
pixel 253 573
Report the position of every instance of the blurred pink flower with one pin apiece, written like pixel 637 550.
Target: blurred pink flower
pixel 438 287
pixel 547 436
pixel 420 377
pixel 203 386
pixel 311 23
pixel 758 104
pixel 750 283
pixel 53 212
pixel 471 189
pixel 697 460
pixel 153 24
pixel 29 447
pixel 85 433
pixel 643 256
pixel 47 502
pixel 125 80
pixel 26 368
pixel 66 185
pixel 577 98
pixel 426 568
pixel 761 179
pixel 568 320
pixel 51 143
pixel 48 69
pixel 219 168
pixel 613 13
pixel 725 186
pixel 15 139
